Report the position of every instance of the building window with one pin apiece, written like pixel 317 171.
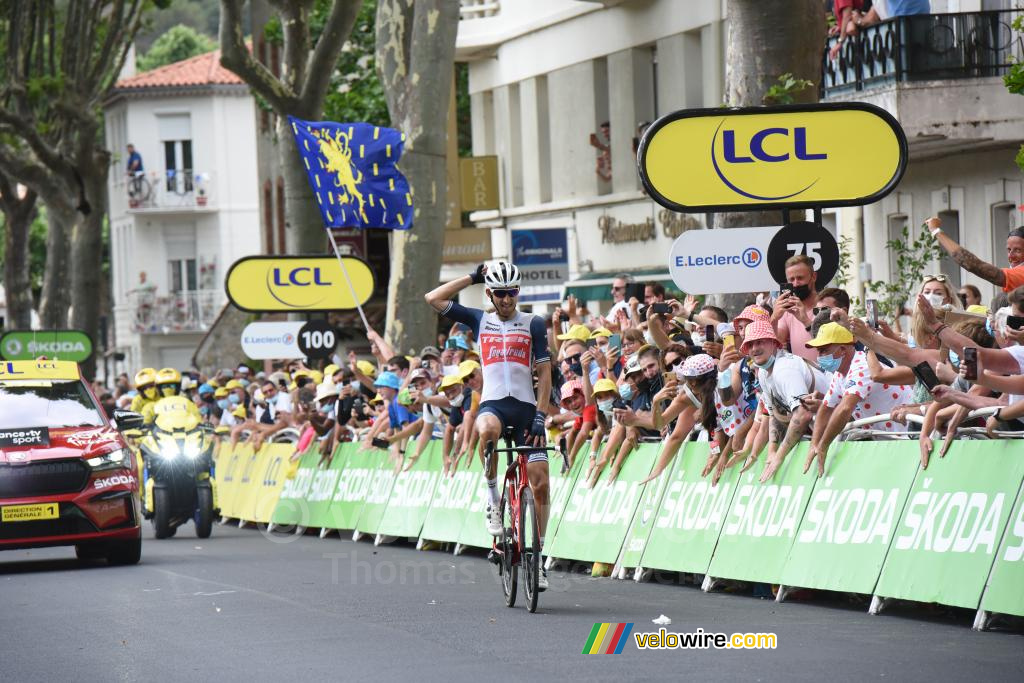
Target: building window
pixel 897 223
pixel 182 275
pixel 268 217
pixel 950 226
pixel 178 165
pixel 280 217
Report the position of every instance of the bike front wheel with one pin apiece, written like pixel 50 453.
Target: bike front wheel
pixel 507 546
pixel 529 532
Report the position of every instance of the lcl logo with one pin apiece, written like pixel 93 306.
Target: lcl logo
pixel 732 154
pixel 297 277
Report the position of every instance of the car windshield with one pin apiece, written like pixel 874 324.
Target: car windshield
pixel 47 404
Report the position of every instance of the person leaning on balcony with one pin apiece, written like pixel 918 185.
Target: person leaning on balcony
pixel 1007 279
pixel 845 11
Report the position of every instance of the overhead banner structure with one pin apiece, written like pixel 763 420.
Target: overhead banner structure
pixel 298 283
pixel 70 345
pixel 793 156
pixel 261 341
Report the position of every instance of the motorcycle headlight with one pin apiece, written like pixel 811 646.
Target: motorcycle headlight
pixel 169 449
pixel 192 450
pixel 113 460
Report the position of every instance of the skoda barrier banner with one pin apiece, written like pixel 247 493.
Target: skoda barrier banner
pixel 947 538
pixel 594 523
pixel 297 283
pixel 1005 590
pixel 561 486
pixel 412 493
pixel 320 497
pixel 450 507
pixel 71 345
pixel 851 518
pixel 762 521
pixel 796 156
pixel 376 500
pixel 358 468
pixel 690 517
pixel 474 526
pixel 646 513
pixel 292 508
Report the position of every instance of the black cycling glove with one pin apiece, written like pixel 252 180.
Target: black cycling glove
pixel 477 276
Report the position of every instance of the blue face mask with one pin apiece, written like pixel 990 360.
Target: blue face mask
pixel 234 400
pixel 771 362
pixel 606 406
pixel 244 382
pixel 954 358
pixel 626 391
pixel 222 403
pixel 829 363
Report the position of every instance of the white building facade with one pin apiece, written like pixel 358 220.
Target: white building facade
pixel 545 75
pixel 177 228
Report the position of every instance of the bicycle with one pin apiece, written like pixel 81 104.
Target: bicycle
pixel 518 546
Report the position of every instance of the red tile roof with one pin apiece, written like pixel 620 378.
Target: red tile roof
pixel 199 70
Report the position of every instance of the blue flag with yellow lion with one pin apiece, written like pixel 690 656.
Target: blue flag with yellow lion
pixel 352 170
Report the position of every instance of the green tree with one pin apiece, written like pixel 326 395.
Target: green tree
pixel 1014 81
pixel 178 43
pixel 202 15
pixel 356 93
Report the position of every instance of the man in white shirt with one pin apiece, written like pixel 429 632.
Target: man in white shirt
pixel 787 387
pixel 851 393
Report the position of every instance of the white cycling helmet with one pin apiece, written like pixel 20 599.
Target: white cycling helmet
pixel 502 275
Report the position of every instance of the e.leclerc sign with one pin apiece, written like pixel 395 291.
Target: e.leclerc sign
pixel 796 156
pixel 297 283
pixel 71 345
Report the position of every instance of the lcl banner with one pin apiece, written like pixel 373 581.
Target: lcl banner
pixel 797 156
pixel 297 283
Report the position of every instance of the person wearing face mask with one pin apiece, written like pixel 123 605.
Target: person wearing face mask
pixel 851 395
pixel 145 384
pixel 938 291
pixel 421 389
pixel 794 309
pixel 576 402
pixel 323 420
pixel 459 397
pixel 790 390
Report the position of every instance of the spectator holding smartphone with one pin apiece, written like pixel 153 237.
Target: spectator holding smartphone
pixel 794 309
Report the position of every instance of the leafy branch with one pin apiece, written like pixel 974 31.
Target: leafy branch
pixel 913 257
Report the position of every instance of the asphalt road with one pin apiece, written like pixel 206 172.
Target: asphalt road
pixel 242 606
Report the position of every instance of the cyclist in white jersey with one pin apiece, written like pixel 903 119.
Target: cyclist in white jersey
pixel 512 344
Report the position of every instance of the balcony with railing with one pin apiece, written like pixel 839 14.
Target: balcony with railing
pixel 478 9
pixel 184 311
pixel 940 75
pixel 167 191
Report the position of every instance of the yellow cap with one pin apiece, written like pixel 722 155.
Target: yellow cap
pixel 450 381
pixel 330 370
pixel 377 399
pixel 831 333
pixel 977 309
pixel 239 412
pixel 213 383
pixel 221 393
pixel 604 385
pixel 600 332
pixel 467 367
pixel 233 384
pixel 578 332
pixel 367 368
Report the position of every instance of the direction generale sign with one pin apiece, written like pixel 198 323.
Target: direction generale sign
pixel 297 283
pixel 794 156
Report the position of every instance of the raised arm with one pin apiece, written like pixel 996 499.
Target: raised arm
pixel 439 297
pixel 964 258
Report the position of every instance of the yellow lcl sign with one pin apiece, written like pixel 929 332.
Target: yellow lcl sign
pixel 297 283
pixel 793 156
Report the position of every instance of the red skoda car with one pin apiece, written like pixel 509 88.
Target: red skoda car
pixel 66 475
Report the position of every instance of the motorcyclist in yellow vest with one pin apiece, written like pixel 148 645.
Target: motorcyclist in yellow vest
pixel 145 385
pixel 168 385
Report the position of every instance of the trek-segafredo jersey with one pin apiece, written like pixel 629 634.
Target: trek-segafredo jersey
pixel 508 350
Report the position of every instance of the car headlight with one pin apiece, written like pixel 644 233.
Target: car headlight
pixel 113 460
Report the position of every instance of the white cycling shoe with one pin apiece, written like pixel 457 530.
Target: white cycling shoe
pixel 542 580
pixel 493 521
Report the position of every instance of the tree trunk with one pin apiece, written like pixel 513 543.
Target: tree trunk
pixel 87 263
pixel 18 215
pixel 55 300
pixel 304 227
pixel 768 38
pixel 415 59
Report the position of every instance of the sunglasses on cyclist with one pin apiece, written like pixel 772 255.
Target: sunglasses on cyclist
pixel 503 293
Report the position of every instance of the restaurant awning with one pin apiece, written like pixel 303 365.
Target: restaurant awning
pixel 598 286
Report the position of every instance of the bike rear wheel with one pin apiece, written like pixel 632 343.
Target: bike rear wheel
pixel 529 532
pixel 507 546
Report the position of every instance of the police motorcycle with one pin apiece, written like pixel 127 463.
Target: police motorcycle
pixel 177 452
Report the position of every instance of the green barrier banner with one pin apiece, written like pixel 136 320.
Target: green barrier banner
pixel 450 506
pixel 845 534
pixel 292 508
pixel 946 540
pixel 412 494
pixel 646 513
pixel 690 516
pixel 353 485
pixel 762 521
pixel 321 492
pixel 376 500
pixel 561 486
pixel 1004 592
pixel 474 525
pixel 595 521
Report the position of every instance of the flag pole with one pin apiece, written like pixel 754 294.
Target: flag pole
pixel 344 270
